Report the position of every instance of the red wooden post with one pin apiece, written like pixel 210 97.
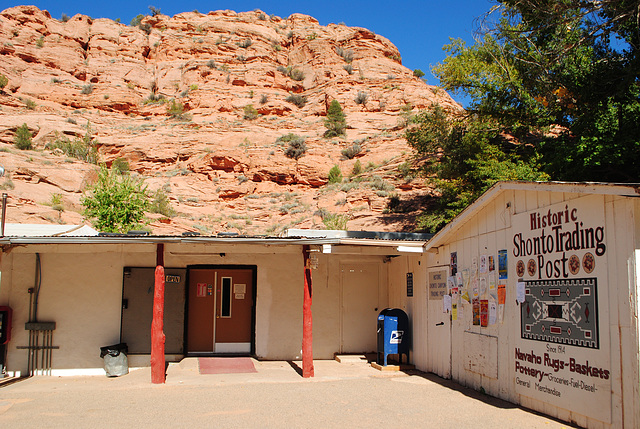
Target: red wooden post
pixel 307 331
pixel 157 325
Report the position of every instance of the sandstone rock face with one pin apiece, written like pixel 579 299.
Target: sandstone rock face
pixel 222 168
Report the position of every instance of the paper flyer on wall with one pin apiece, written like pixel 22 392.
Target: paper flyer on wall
pixel 454 263
pixel 484 313
pixel 493 310
pixel 502 295
pixel 492 264
pixel 476 312
pixel 454 303
pixel 492 282
pixel 502 264
pixel 446 303
pixel 451 283
pixel 475 292
pixel 483 264
pixel 483 286
pixel 520 287
pixel 464 292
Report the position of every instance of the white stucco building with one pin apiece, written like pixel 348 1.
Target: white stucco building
pixel 530 294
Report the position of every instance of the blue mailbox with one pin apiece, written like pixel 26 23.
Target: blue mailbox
pixel 393 335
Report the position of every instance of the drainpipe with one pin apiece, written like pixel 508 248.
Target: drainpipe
pixel 158 375
pixel 4 213
pixel 307 331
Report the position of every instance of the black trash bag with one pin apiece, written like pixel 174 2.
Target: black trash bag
pixel 115 359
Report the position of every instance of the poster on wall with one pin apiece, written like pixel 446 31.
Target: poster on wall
pixel 502 264
pixel 562 349
pixel 454 263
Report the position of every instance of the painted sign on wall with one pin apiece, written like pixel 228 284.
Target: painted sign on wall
pixel 562 352
pixel 437 284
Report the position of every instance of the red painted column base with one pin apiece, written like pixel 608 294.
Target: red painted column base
pixel 157 324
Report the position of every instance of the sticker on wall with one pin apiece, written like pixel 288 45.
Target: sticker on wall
pixel 201 290
pixel 459 279
pixel 474 266
pixel 492 265
pixel 502 264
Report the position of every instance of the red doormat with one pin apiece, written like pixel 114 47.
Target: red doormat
pixel 226 365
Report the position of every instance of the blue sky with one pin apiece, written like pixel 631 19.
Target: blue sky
pixel 419 28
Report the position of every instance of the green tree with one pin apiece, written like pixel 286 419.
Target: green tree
pixel 3 82
pixel 465 156
pixel 116 203
pixel 561 76
pixel 137 20
pixel 335 174
pixel 335 122
pixel 554 94
pixel 22 139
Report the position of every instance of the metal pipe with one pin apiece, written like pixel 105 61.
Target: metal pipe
pixel 4 213
pixel 30 352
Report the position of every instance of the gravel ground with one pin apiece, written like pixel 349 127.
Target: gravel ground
pixel 340 395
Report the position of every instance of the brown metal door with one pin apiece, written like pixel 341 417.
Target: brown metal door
pixel 220 310
pixel 234 304
pixel 201 310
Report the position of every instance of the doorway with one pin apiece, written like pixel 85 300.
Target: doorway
pixel 360 284
pixel 438 325
pixel 221 310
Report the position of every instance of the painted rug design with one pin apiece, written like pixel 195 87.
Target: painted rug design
pixel 561 311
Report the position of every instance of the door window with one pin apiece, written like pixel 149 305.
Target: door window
pixel 225 297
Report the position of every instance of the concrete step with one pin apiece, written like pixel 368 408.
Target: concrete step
pixel 355 358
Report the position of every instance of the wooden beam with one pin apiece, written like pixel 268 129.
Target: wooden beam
pixel 157 324
pixel 307 325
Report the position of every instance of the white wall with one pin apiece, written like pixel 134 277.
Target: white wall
pixel 82 292
pixel 484 357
